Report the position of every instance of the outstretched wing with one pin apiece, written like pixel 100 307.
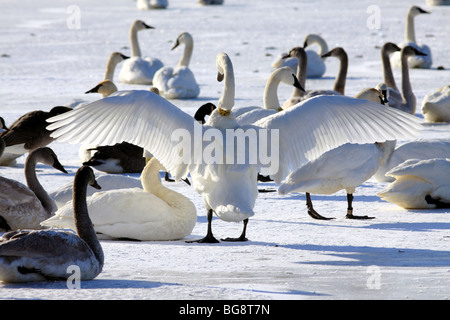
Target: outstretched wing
pixel 325 122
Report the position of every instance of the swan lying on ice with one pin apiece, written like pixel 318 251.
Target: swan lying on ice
pixel 436 105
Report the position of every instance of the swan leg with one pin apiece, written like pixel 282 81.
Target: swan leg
pixel 168 179
pixel 313 213
pixel 241 237
pixel 350 209
pixel 209 238
pixel 265 179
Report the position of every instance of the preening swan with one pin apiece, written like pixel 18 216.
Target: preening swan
pixel 424 61
pixel 138 70
pixel 339 83
pixel 27 133
pixel 226 181
pixel 436 105
pixel 178 82
pixel 46 255
pixel 407 103
pixel 152 213
pixel 23 207
pixel 419 184
pixel 421 149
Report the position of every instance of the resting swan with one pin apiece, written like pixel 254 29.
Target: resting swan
pixel 152 213
pixel 114 59
pixel 436 105
pixel 339 83
pixel 419 184
pixel 424 61
pixel 138 70
pixel 179 82
pixel 227 184
pixel 151 4
pixel 46 255
pixel 23 207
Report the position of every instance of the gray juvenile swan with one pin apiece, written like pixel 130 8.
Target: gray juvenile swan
pixel 23 207
pixel 43 255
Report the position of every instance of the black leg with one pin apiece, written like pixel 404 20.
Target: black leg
pixel 241 237
pixel 209 238
pixel 313 213
pixel 350 209
pixel 167 178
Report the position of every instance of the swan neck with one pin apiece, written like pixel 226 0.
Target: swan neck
pixel 301 73
pixel 409 99
pixel 83 223
pixel 323 47
pixel 227 100
pixel 388 76
pixel 410 34
pixel 110 68
pixel 35 186
pixel 187 54
pixel 270 98
pixel 339 83
pixel 135 48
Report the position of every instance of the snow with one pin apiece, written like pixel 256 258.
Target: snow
pixel 49 57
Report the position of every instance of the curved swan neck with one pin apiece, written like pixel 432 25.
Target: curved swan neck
pixel 113 60
pixel 187 53
pixel 339 83
pixel 409 99
pixel 314 38
pixel 83 223
pixel 225 68
pixel 388 76
pixel 410 34
pixel 135 48
pixel 35 186
pixel 300 54
pixel 270 98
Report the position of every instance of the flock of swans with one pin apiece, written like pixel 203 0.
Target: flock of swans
pixel 327 142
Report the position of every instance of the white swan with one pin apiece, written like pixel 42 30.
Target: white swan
pixel 152 212
pixel 410 40
pixel 420 184
pixel 339 83
pixel 417 149
pixel 114 59
pixel 27 133
pixel 23 207
pixel 152 4
pixel 315 66
pixel 226 181
pixel 436 105
pixel 138 70
pixel 105 88
pixel 179 82
pixel 48 255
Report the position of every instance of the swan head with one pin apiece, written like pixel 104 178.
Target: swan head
pixel 105 88
pixel 382 88
pixel 336 52
pixel 154 90
pixel 118 57
pixel 183 38
pixel 140 25
pixel 225 71
pixel 411 51
pixel 46 156
pixel 296 52
pixel 390 47
pixel 415 11
pixel 86 170
pixel 312 38
pixel 284 74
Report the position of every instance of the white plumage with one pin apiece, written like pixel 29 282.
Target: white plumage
pixel 436 105
pixel 230 189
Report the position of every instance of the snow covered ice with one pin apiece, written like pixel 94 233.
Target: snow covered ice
pixel 53 51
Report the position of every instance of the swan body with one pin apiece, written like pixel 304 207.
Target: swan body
pixel 178 82
pixel 436 105
pixel 46 255
pixel 417 149
pixel 138 70
pixel 419 184
pixel 24 207
pixel 151 4
pixel 27 133
pixel 152 212
pixel 229 187
pixel 424 61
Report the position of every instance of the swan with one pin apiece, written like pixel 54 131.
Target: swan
pixel 417 149
pixel 394 94
pixel 179 82
pixel 23 207
pixel 46 255
pixel 424 61
pixel 407 103
pixel 339 83
pixel 315 66
pixel 138 70
pixel 105 88
pixel 271 104
pixel 151 4
pixel 227 183
pixel 419 184
pixel 152 212
pixel 27 133
pixel 436 105
pixel 114 59
pixel 378 94
pixel 210 2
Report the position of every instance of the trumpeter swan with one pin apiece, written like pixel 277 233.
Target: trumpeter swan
pixel 424 61
pixel 419 184
pixel 226 181
pixel 178 82
pixel 27 133
pixel 138 70
pixel 114 59
pixel 152 212
pixel 436 105
pixel 152 4
pixel 46 255
pixel 24 207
